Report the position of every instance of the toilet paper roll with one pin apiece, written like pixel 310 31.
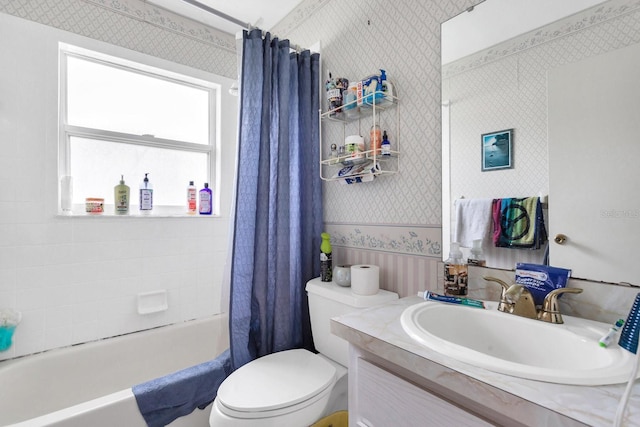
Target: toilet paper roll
pixel 365 279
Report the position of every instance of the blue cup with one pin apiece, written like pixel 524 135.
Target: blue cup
pixel 6 335
pixel 629 335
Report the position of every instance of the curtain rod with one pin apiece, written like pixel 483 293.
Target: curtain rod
pixel 218 13
pixel 230 18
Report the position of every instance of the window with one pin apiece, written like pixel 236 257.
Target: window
pixel 124 118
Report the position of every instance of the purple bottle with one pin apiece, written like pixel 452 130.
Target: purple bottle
pixel 206 200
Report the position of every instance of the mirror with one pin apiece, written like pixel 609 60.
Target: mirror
pixel 492 84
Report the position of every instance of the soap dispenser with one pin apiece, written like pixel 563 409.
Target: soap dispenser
pixel 121 197
pixel 455 272
pixel 146 195
pixel 477 257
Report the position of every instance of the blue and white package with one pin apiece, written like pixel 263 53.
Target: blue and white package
pixel 541 279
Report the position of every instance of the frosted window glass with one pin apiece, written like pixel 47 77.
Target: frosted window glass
pixel 96 167
pixel 105 97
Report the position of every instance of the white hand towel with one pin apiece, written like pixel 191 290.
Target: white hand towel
pixel 473 220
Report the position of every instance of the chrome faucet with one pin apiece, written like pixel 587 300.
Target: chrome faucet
pixel 516 299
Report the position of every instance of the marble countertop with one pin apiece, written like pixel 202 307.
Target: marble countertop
pixel 378 331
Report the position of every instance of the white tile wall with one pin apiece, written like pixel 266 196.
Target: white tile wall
pixel 75 279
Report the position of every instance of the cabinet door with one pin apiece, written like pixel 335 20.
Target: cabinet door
pixel 384 400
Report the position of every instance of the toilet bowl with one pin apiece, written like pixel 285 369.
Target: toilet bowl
pixel 295 387
pixel 289 388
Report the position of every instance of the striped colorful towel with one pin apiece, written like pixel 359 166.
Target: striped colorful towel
pixel 518 223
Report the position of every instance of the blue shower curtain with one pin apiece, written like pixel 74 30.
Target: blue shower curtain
pixel 277 225
pixel 278 206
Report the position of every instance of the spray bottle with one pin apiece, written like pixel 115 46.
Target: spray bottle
pixel 326 269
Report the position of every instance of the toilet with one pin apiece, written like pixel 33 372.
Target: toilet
pixel 296 387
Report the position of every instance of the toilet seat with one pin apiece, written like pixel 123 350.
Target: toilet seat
pixel 276 384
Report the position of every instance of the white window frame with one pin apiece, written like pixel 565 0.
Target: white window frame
pixel 139 65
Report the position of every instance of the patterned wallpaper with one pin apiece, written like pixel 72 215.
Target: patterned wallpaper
pixel 368 220
pixel 358 38
pixel 136 25
pixel 505 87
pixel 394 221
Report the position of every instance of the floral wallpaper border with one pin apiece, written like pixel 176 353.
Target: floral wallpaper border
pixel 160 17
pixel 562 28
pixel 402 239
pixel 297 16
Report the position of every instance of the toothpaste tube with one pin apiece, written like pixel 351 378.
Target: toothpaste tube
pixel 430 296
pixel 611 335
pixel 541 279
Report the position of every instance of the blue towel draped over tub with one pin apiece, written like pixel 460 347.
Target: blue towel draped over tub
pixel 164 399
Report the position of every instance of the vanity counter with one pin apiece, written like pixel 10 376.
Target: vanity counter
pixel 504 399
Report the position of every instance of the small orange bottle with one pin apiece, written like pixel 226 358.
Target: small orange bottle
pixel 375 138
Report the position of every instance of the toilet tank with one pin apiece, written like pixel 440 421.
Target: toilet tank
pixel 327 300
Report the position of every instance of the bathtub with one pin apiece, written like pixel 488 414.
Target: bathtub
pixel 89 385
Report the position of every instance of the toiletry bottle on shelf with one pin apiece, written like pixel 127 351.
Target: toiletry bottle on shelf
pixel 192 199
pixel 334 153
pixel 375 140
pixel 455 272
pixel 387 89
pixel 351 100
pixel 386 145
pixel 477 257
pixel 146 195
pixel 121 197
pixel 206 200
pixel 326 270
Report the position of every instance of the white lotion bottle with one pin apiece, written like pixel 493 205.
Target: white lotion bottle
pixel 121 197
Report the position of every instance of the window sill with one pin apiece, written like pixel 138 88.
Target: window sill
pixel 135 215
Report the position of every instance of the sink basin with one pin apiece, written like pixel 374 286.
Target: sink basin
pixel 500 342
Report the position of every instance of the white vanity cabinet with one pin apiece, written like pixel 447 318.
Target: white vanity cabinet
pixel 380 398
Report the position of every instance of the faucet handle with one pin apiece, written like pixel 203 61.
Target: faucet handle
pixel 522 301
pixel 504 305
pixel 551 309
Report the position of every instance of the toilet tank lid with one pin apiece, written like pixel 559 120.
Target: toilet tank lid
pixel 332 291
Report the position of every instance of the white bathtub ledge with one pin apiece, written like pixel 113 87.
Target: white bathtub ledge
pixel 116 409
